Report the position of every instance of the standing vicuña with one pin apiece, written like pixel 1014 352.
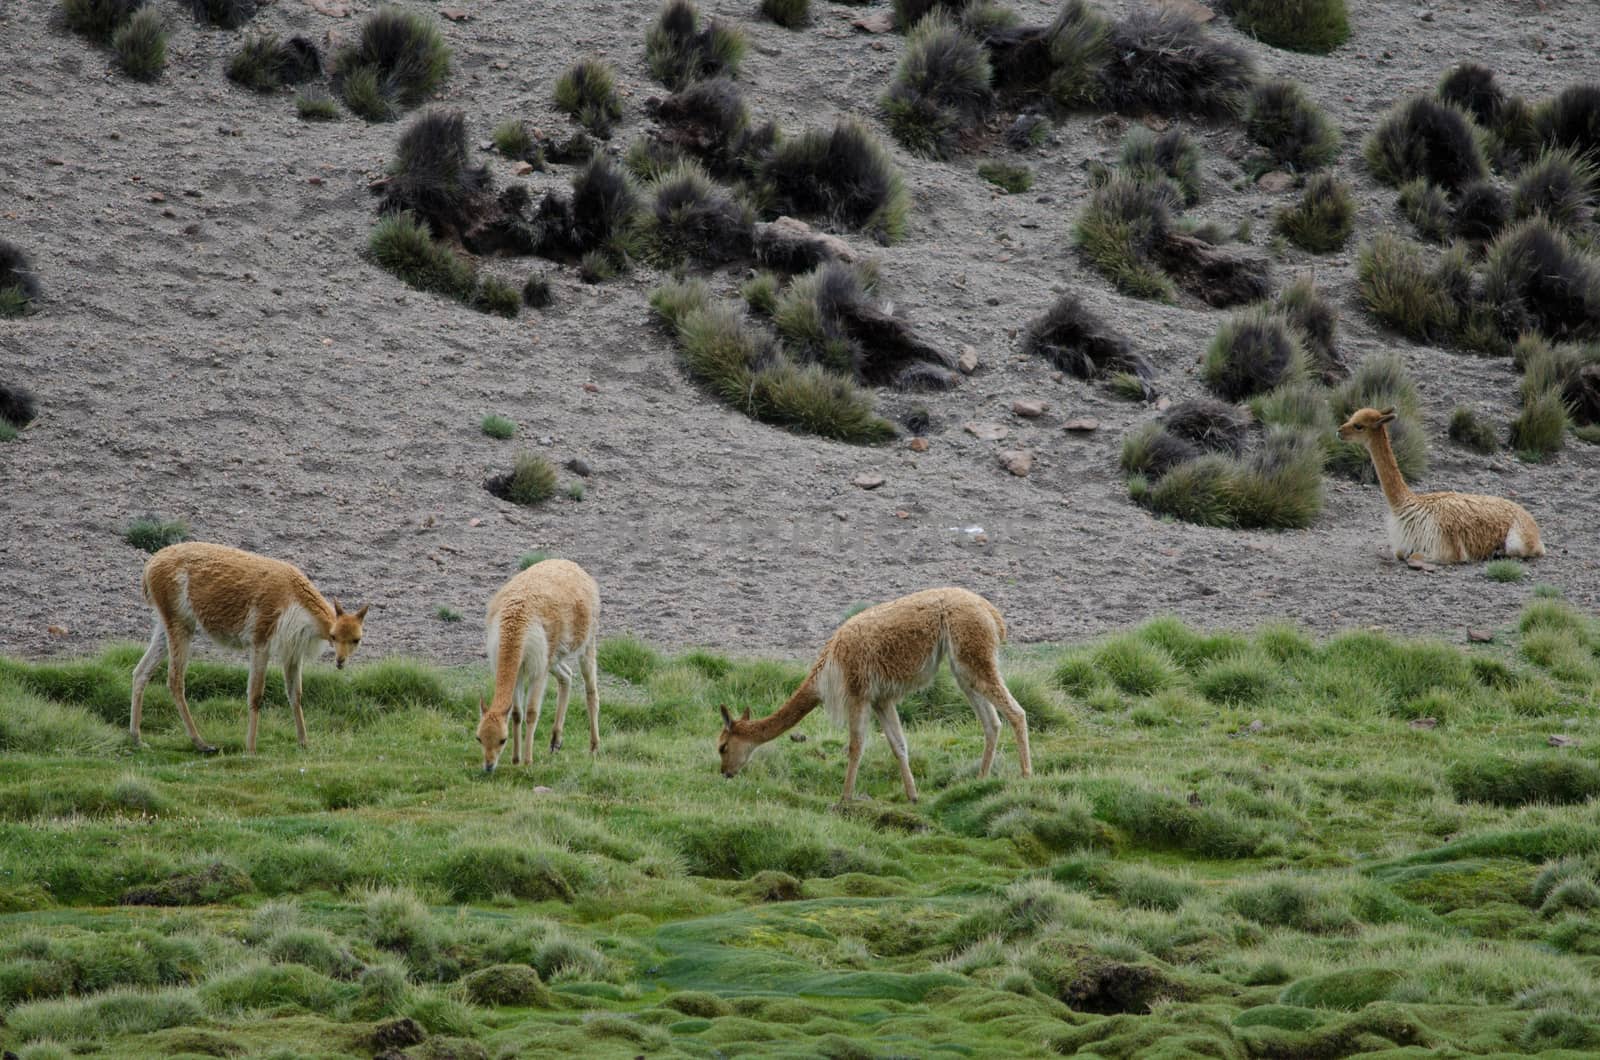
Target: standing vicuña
pixel 239 600
pixel 1440 527
pixel 880 656
pixel 540 622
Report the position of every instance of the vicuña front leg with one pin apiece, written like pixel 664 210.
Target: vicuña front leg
pixel 889 721
pixel 177 662
pixel 563 694
pixel 591 695
pixel 253 691
pixel 293 689
pixel 141 677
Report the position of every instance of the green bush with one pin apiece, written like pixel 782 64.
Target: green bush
pixel 1171 156
pixel 498 427
pixel 1013 178
pixel 1293 130
pixel 587 92
pixel 141 45
pixel 1402 292
pixel 679 51
pixel 1324 217
pixel 315 105
pixel 401 244
pixel 398 59
pixel 1556 779
pixel 153 534
pixel 940 88
pixel 1122 220
pixel 99 20
pixel 1471 431
pixel 531 481
pixel 1316 26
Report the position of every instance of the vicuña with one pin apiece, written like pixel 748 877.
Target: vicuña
pixel 880 656
pixel 1440 527
pixel 540 622
pixel 243 601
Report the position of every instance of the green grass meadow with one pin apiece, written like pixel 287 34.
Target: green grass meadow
pixel 1234 846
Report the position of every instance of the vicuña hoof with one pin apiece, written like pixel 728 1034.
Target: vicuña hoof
pixel 555 745
pixel 205 748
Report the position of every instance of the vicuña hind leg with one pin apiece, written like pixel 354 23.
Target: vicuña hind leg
pixel 988 684
pixel 591 694
pixel 889 722
pixel 253 692
pixel 563 693
pixel 987 718
pixel 858 720
pixel 142 674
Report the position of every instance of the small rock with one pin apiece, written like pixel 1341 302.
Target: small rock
pixel 1419 564
pixel 918 445
pixel 169 212
pixel 1028 408
pixel 1082 426
pixel 902 514
pixel 593 388
pixel 57 631
pixel 1198 12
pixel 1163 404
pixel 1017 461
pixel 474 522
pixel 52 161
pixel 867 480
pixel 1480 636
pixel 987 432
pixel 798 737
pixel 1560 740
pixel 500 64
pixel 881 22
pixel 580 467
pixel 1424 723
pixel 314 180
pixel 454 14
pixel 540 789
pixel 522 169
pixel 157 197
pixel 969 360
pixel 1257 725
pixel 1275 181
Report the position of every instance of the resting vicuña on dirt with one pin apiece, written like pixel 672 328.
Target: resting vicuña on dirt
pixel 1440 527
pixel 540 622
pixel 880 656
pixel 239 600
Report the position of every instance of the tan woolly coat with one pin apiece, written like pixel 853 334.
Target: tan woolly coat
pixel 238 598
pixel 547 613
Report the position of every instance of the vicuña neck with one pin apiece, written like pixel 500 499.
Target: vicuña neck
pixel 786 717
pixel 1394 484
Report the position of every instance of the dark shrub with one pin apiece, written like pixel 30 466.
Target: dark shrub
pixel 679 51
pixel 229 14
pixel 1318 323
pixel 1560 185
pixel 1253 352
pixel 1316 26
pixel 1422 137
pixel 940 88
pixel 691 216
pixel 17 406
pixel 1572 119
pixel 1481 212
pixel 829 318
pixel 536 292
pixel 432 174
pixel 588 93
pixel 1536 280
pixel 843 174
pixel 266 64
pixel 790 14
pixel 399 58
pixel 1173 155
pixel 1212 426
pixel 1079 49
pixel 19 286
pixel 1163 60
pixel 1324 217
pixel 909 13
pixel 1121 226
pixel 1472 88
pixel 1472 431
pixel 1073 338
pixel 141 45
pixel 99 20
pixel 1427 208
pixel 604 204
pixel 1294 131
pixel 1152 451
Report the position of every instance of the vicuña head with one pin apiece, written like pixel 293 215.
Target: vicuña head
pixel 876 659
pixel 493 730
pixel 1363 424
pixel 734 744
pixel 345 632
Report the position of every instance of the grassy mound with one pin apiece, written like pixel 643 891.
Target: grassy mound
pixel 679 51
pixel 940 88
pixel 1315 26
pixel 841 174
pixel 1422 137
pixel 398 60
pixel 1293 130
pixel 1324 218
pixel 587 92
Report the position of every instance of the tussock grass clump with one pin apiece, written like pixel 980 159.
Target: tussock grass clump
pixel 1472 431
pixel 1252 353
pixel 599 223
pixel 513 139
pixel 506 984
pixel 1400 290
pixel 1554 779
pixel 1482 210
pixel 141 45
pixel 1166 62
pixel 497 426
pixel 843 174
pixel 1536 280
pixel 1172 155
pixel 99 20
pixel 1571 119
pixel 398 59
pixel 1323 219
pixel 692 216
pixel 1427 208
pixel 1380 382
pixel 1119 229
pixel 1317 321
pixel 678 50
pixel 19 284
pixel 1292 129
pixel 1078 53
pixel 790 14
pixel 709 121
pixel 315 105
pixel 537 292
pixel 1314 26
pixel 1472 88
pixel 911 13
pixel 432 175
pixel 1277 485
pixel 531 481
pixel 1013 178
pixel 1560 185
pixel 152 533
pixel 746 368
pixel 228 14
pixel 1211 426
pixel 17 410
pixel 587 92
pixel 940 89
pixel 1074 338
pixel 1504 570
pixel 1422 137
pixel 1540 427
pixel 401 244
pixel 266 64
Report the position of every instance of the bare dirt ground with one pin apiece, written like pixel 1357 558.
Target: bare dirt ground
pixel 212 346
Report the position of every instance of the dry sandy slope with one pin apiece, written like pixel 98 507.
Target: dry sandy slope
pixel 237 364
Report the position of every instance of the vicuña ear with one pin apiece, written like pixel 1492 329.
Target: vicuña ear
pixel 746 715
pixel 1389 412
pixel 727 719
pixel 337 610
pixel 482 710
pixel 1388 416
pixel 361 614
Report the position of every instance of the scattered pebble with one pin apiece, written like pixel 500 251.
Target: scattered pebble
pixel 987 432
pixel 918 445
pixel 1081 426
pixel 969 360
pixel 1017 461
pixel 1028 408
pixel 1480 636
pixel 867 480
